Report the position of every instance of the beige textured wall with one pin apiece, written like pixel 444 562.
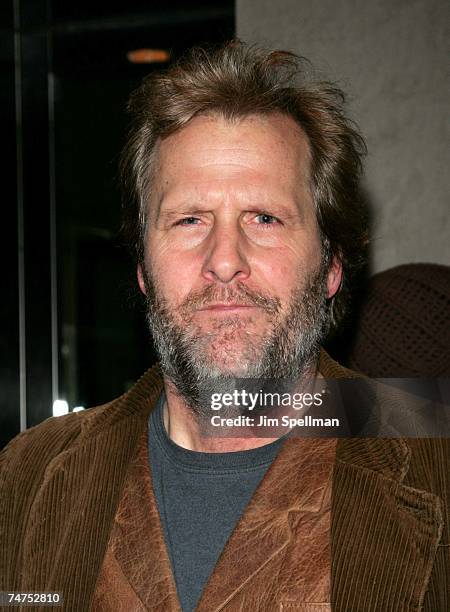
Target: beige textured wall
pixel 391 57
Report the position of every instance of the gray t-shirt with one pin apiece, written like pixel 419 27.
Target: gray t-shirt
pixel 200 498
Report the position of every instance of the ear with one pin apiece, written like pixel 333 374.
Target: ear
pixel 334 278
pixel 140 277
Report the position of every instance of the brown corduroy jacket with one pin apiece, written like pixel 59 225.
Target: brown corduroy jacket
pixel 61 484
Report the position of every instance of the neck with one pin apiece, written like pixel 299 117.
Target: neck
pixel 183 427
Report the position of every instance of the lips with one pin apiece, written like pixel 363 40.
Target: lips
pixel 238 299
pixel 225 306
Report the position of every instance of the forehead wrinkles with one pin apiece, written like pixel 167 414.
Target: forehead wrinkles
pixel 252 136
pixel 284 140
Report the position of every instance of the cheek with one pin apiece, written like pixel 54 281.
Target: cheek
pixel 283 269
pixel 172 272
pixel 276 273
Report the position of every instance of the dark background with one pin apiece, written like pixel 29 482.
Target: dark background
pixel 72 324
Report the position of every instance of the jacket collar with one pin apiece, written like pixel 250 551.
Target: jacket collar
pixel 388 457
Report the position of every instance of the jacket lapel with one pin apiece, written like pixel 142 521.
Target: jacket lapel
pixel 291 493
pixel 136 573
pixel 90 474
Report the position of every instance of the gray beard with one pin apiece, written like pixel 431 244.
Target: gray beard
pixel 288 351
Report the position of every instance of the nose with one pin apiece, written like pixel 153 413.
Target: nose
pixel 225 259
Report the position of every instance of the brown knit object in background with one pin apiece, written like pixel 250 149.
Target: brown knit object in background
pixel 404 324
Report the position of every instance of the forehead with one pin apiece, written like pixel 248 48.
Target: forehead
pixel 271 147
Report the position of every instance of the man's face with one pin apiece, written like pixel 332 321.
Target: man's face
pixel 233 262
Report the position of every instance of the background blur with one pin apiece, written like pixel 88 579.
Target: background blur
pixel 71 327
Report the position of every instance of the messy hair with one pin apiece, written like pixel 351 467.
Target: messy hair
pixel 236 81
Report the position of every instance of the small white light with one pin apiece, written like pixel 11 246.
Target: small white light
pixel 60 407
pixel 78 408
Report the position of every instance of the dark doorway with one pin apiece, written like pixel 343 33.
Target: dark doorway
pixel 72 323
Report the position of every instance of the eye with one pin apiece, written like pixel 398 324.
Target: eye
pixel 188 221
pixel 265 219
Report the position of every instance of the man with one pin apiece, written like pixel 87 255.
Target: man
pixel 243 210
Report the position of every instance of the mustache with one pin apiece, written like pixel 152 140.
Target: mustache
pixel 238 294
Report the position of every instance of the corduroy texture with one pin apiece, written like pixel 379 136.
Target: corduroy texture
pixel 404 324
pixel 395 556
pixel 61 483
pixel 424 475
